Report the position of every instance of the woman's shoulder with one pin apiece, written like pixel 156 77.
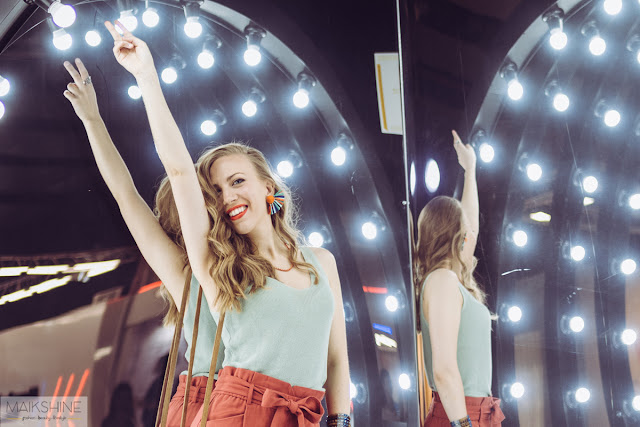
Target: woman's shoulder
pixel 323 255
pixel 441 277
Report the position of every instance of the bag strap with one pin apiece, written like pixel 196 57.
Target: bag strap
pixel 212 368
pixel 167 384
pixel 194 340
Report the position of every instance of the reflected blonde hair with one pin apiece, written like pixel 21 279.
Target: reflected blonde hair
pixel 440 238
pixel 238 269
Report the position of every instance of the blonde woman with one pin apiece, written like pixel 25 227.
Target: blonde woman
pixel 284 331
pixel 454 318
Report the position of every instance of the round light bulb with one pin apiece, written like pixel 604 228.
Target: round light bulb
pixel 404 381
pixel 369 230
pixel 316 240
pixel 597 46
pixel 576 324
pixel 63 15
pixel 517 390
pixel 5 86
pixel 628 266
pixel 169 75
pixel 353 390
pixel 534 171
pixel 520 238
pixel 93 38
pixel 252 56
pixel 285 169
pixel 628 336
pixel 577 253
pixel 193 27
pixel 206 59
pixel 249 108
pixel 582 395
pixel 634 201
pixel 558 39
pixel 612 118
pixel 338 156
pixel 590 184
pixel 301 98
pixel 134 92
pixel 129 20
pixel 208 127
pixel 514 313
pixel 1 109
pixel 486 152
pixel 612 7
pixel 561 102
pixel 515 90
pixel 391 303
pixel 635 403
pixel 62 40
pixel 432 176
pixel 412 178
pixel 150 17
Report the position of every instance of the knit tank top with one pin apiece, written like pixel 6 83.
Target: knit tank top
pixel 283 332
pixel 474 345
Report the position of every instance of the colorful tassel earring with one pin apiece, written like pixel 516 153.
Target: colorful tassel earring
pixel 275 202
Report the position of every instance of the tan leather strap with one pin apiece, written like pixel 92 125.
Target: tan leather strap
pixel 194 339
pixel 167 385
pixel 212 369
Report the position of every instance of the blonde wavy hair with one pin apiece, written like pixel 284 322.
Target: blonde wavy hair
pixel 237 268
pixel 440 238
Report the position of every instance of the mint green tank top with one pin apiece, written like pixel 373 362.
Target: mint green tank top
pixel 474 346
pixel 283 332
pixel 206 334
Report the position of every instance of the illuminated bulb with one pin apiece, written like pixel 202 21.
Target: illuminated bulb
pixel 1 109
pixel 93 38
pixel 628 336
pixel 514 313
pixel 249 108
pixel 432 176
pixel 486 153
pixel 5 86
pixel 612 7
pixel 576 324
pixel 597 46
pixel 515 90
pixel 612 118
pixel 63 15
pixel 534 171
pixel 590 184
pixel 193 27
pixel 404 381
pixel 252 55
pixel 285 169
pixel 62 40
pixel 635 404
pixel 578 253
pixel 208 127
pixel 353 391
pixel 169 75
pixel 316 240
pixel 369 230
pixel 634 201
pixel 301 98
pixel 628 266
pixel 558 39
pixel 338 156
pixel 206 59
pixel 561 102
pixel 582 395
pixel 134 92
pixel 540 216
pixel 517 390
pixel 391 303
pixel 520 238
pixel 150 17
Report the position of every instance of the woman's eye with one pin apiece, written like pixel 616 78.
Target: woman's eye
pixel 238 181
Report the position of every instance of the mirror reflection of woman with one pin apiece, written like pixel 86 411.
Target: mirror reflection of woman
pixel 158 237
pixel 455 321
pixel 284 331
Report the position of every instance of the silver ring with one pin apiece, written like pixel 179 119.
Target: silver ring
pixel 87 81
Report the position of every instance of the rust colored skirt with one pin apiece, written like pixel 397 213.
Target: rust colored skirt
pixel 483 411
pixel 196 399
pixel 244 398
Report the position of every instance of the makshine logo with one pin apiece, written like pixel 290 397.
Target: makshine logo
pixel 40 411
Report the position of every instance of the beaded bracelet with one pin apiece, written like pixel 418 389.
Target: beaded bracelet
pixel 462 422
pixel 338 420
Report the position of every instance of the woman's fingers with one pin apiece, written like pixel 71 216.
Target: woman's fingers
pixel 84 74
pixel 73 88
pixel 73 72
pixel 112 30
pixel 456 138
pixel 126 33
pixel 70 96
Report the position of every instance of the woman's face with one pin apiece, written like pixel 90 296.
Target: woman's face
pixel 242 192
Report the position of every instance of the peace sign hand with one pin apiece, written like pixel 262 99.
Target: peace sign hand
pixel 130 52
pixel 466 154
pixel 81 93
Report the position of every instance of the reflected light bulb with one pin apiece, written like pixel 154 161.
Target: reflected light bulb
pixel 628 266
pixel 129 20
pixel 534 171
pixel 169 75
pixel 315 239
pixel 432 176
pixel 635 403
pixel 301 98
pixel 353 391
pixel 577 253
pixel 92 38
pixel 514 313
pixel 5 86
pixel 62 40
pixel 628 336
pixel 1 109
pixel 612 7
pixel 597 46
pixel 193 27
pixel 249 108
pixel 134 92
pixel 590 184
pixel 517 390
pixel 391 302
pixel 582 395
pixel 63 15
pixel 561 102
pixel 634 201
pixel 285 169
pixel 612 118
pixel 404 381
pixel 520 238
pixel 515 90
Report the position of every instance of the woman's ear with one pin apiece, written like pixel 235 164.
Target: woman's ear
pixel 271 188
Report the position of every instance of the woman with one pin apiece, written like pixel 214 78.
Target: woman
pixel 454 319
pixel 284 333
pixel 159 239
